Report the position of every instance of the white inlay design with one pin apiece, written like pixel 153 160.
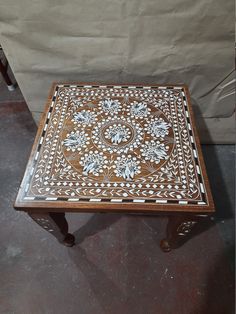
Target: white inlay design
pixel 118 143
pixel 185 227
pixel 76 140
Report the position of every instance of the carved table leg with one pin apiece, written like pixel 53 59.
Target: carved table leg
pixel 56 224
pixel 178 228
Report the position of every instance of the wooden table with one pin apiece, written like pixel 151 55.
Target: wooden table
pixel 107 148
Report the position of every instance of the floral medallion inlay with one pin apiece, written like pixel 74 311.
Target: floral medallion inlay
pixel 76 140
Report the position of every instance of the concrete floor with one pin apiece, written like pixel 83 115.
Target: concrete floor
pixel 117 265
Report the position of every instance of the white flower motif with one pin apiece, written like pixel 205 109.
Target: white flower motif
pixel 132 135
pixel 154 151
pixel 139 109
pixel 110 105
pixel 85 117
pixel 93 163
pixel 117 133
pixel 158 127
pixel 127 167
pixel 76 141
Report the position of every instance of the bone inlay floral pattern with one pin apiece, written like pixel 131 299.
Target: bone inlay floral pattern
pixel 118 144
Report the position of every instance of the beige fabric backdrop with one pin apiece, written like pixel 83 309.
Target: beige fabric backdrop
pixel 151 41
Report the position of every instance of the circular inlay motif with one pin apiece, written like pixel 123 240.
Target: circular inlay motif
pixel 117 135
pixel 84 117
pixel 127 167
pixel 93 163
pixel 110 106
pixel 157 127
pixel 138 110
pixel 117 139
pixel 76 141
pixel 154 151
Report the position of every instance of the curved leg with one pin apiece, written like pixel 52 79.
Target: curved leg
pixel 56 224
pixel 178 228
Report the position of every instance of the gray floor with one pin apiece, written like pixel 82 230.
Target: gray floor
pixel 116 265
pixel 220 163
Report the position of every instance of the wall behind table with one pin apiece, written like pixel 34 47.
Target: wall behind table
pixel 151 41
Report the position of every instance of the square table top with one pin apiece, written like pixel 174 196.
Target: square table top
pixel 116 148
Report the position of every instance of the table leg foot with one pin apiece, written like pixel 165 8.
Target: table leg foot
pixel 69 240
pixel 165 246
pixel 56 224
pixel 179 229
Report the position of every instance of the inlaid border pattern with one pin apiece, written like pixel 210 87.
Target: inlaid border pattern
pixel 204 200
